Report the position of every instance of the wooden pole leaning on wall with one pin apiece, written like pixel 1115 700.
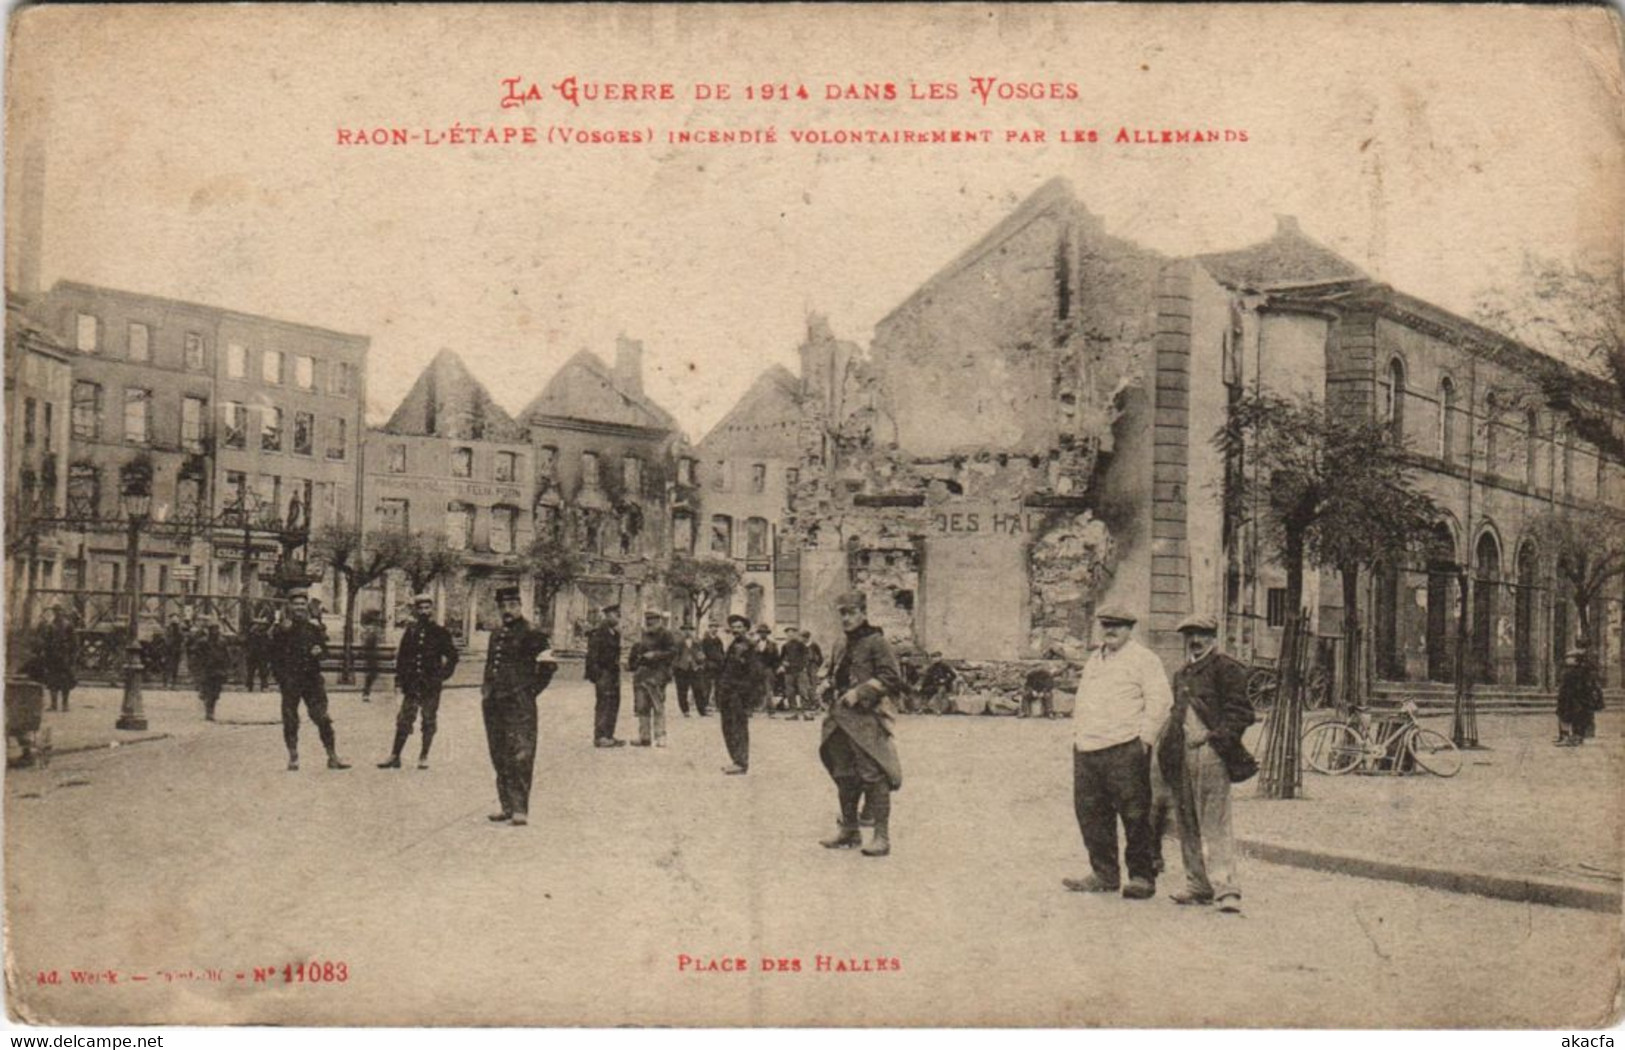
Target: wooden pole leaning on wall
pixel 1281 770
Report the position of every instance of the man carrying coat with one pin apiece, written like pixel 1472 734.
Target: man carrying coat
pixel 1198 752
pixel 857 746
pixel 424 660
pixel 518 666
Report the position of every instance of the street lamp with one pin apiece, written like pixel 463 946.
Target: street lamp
pixel 136 501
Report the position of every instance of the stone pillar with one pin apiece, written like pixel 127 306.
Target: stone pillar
pixel 1171 437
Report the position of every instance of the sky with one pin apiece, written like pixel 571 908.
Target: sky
pixel 194 153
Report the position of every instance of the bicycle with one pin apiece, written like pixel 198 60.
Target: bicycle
pixel 1391 746
pixel 1262 680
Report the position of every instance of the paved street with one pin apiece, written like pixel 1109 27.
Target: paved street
pixel 200 852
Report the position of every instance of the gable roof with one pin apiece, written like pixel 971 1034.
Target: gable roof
pixel 585 388
pixel 1286 259
pixel 766 416
pixel 447 401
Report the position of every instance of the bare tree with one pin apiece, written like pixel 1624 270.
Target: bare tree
pixel 360 559
pixel 702 581
pixel 429 558
pixel 1589 551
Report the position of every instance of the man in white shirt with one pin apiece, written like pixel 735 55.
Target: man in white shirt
pixel 1123 700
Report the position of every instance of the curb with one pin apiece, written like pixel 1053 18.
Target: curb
pixel 1501 887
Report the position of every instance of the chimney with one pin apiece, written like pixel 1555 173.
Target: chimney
pixel 629 365
pixel 1287 226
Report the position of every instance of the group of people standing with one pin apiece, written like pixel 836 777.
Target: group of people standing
pixel 775 678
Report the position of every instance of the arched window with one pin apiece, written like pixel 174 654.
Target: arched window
pixel 1487 573
pixel 1447 419
pixel 1395 413
pixel 1524 629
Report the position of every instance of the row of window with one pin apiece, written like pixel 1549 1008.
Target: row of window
pixel 87 413
pixel 309 502
pixel 504 465
pixel 502 536
pixel 758 535
pixel 1448 446
pixel 275 367
pixel 722 480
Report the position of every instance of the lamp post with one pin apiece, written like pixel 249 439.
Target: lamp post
pixel 136 501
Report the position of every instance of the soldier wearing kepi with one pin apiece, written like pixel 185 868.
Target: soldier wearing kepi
pixel 211 662
pixel 296 649
pixel 603 670
pixel 857 746
pixel 1199 754
pixel 650 662
pixel 518 666
pixel 425 659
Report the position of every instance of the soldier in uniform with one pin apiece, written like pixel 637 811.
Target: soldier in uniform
pixel 857 747
pixel 424 660
pixel 650 661
pixel 604 672
pixel 297 646
pixel 211 663
pixel 738 682
pixel 518 666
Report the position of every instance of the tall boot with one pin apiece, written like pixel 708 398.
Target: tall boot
pixel 848 837
pixel 879 795
pixel 644 733
pixel 423 752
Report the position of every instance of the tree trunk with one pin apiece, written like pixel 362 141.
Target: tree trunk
pixel 1290 677
pixel 1350 685
pixel 347 670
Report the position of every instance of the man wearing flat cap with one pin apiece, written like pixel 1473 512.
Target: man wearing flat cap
pixel 604 672
pixel 424 660
pixel 518 666
pixel 857 747
pixel 1198 754
pixel 736 691
pixel 1123 699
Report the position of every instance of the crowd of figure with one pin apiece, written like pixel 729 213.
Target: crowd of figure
pixel 1148 752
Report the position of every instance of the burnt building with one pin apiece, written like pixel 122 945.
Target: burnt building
pixel 451 463
pixel 1030 434
pixel 230 409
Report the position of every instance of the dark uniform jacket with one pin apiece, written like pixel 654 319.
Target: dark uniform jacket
pixel 296 650
pixel 864 663
pixel 1215 687
pixel 603 652
pixel 767 658
pixel 57 648
pixel 712 650
pixel 794 656
pixel 510 662
pixel 426 657
pixel 652 656
pixel 738 673
pixel 211 659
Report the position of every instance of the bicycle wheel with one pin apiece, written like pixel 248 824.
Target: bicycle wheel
pixel 1435 753
pixel 1332 748
pixel 1261 689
